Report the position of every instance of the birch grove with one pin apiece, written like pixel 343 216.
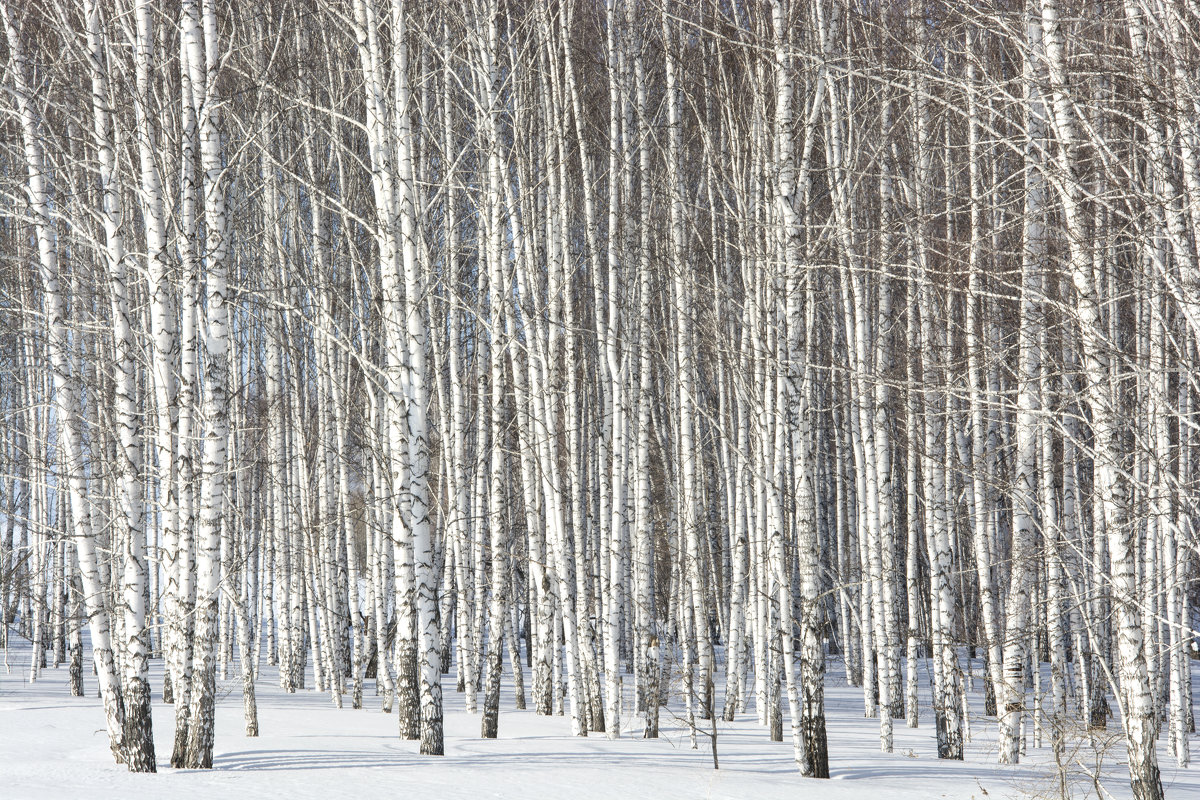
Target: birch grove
pixel 660 357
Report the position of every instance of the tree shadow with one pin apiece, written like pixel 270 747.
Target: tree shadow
pixel 285 760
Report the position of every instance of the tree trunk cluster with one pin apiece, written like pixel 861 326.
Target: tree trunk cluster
pixel 645 351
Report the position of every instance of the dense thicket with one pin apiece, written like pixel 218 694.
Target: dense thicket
pixel 699 346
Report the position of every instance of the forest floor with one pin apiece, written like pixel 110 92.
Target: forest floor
pixel 54 746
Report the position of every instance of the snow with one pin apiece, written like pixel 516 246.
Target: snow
pixel 54 746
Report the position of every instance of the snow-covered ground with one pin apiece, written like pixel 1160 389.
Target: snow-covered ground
pixel 54 746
